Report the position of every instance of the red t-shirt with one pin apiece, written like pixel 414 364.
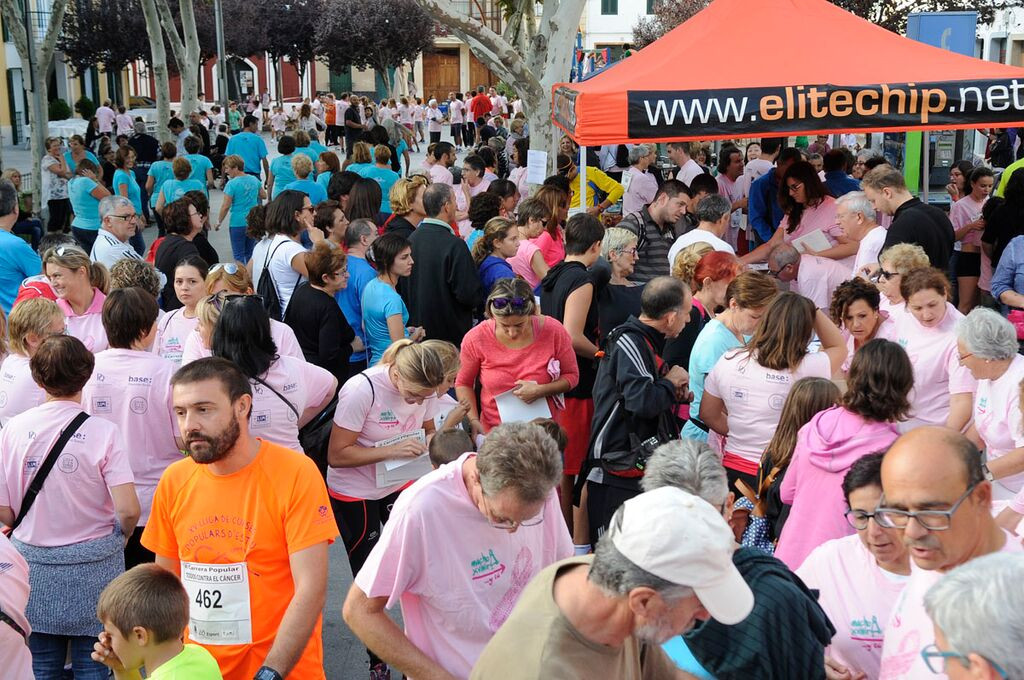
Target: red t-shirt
pixel 480 105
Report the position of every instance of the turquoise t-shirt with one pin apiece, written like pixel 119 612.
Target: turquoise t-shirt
pixel 713 341
pixel 379 302
pixel 124 177
pixel 200 164
pixel 192 663
pixel 360 168
pixel 324 179
pixel 281 169
pixel 173 189
pixel 316 193
pixel 313 155
pixel 386 178
pixel 160 172
pixel 250 147
pixel 244 191
pixel 72 165
pixel 318 147
pixel 84 204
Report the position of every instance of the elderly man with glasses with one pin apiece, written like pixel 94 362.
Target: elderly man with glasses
pixel 934 489
pixel 118 223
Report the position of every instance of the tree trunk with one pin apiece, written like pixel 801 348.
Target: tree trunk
pixel 190 69
pixel 158 66
pixel 389 83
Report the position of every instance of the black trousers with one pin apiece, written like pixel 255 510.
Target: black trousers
pixel 602 502
pixel 60 214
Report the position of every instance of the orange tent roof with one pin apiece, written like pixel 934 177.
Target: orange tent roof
pixel 744 68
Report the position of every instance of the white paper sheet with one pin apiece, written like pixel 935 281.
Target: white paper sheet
pixel 512 409
pixel 816 241
pixel 397 471
pixel 536 166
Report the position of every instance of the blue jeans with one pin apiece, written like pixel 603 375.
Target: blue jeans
pixel 49 652
pixel 32 227
pixel 241 245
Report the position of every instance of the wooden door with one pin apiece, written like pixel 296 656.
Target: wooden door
pixel 440 74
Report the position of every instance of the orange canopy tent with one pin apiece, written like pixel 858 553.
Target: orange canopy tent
pixel 751 68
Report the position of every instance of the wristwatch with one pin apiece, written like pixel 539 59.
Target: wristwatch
pixel 267 673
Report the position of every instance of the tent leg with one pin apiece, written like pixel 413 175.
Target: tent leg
pixel 583 179
pixel 925 164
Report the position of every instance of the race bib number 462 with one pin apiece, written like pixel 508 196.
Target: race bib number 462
pixel 219 612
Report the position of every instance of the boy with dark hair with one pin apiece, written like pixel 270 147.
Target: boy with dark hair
pixel 447 445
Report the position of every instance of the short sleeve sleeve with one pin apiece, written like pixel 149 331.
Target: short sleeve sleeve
pixel 960 378
pixel 393 566
pixel 115 467
pixel 318 382
pixel 393 305
pixel 354 403
pixel 308 519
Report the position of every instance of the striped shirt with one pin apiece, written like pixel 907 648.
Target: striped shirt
pixel 652 246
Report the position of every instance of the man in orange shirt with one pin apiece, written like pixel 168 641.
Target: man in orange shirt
pixel 331 119
pixel 246 525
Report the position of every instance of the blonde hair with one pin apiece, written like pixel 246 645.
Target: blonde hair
pixel 403 193
pixel 301 165
pixel 686 261
pixel 616 238
pixel 240 282
pixel 74 258
pixel 381 154
pixel 905 257
pixel 131 273
pixel 30 316
pixel 495 228
pixel 449 355
pixel 235 161
pixel 361 153
pixel 419 364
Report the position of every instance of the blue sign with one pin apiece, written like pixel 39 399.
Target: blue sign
pixel 953 31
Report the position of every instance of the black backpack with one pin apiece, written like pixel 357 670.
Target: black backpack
pixel 267 289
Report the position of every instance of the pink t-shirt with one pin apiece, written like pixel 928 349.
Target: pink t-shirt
pixel 497 367
pixel 963 212
pixel 15 657
pixel 281 333
pixel 818 279
pixel 640 191
pixel 440 175
pixel 518 177
pixel 997 417
pixel 886 331
pixel 910 630
pixel 520 262
pixel 465 226
pixel 302 384
pixel 857 596
pixel 75 504
pixel 171 333
pixel 552 249
pixel 456 577
pixel 937 370
pixel 754 396
pixel 821 216
pixel 18 391
pixel 89 326
pixel 376 412
pixel 132 389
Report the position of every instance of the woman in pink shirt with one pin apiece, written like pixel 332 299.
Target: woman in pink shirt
pixel 31 322
pixel 78 283
pixel 968 224
pixel 943 387
pixel 876 399
pixel 745 391
pixel 552 240
pixel 854 309
pixel 893 263
pixel 640 185
pixel 73 535
pixel 859 577
pixel 176 326
pixel 529 262
pixel 514 349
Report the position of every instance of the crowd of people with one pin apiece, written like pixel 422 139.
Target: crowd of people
pixel 744 427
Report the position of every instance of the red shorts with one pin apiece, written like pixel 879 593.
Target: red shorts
pixel 575 418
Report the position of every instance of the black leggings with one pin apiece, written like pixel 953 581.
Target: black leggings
pixel 360 524
pixel 602 502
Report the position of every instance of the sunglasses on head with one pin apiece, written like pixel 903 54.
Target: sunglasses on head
pixel 230 267
pixel 513 302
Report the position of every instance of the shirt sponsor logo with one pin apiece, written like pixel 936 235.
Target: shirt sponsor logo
pixel 487 568
pixel 982 406
pixel 101 405
pixel 3 399
pixel 260 419
pixel 139 380
pixel 290 387
pixel 138 405
pixel 387 419
pixel 777 378
pixel 67 463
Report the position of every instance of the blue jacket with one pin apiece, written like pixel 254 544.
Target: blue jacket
pixel 763 207
pixel 839 183
pixel 1009 273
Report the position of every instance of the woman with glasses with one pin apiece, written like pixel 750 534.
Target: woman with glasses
pixel 241 194
pixel 85 193
pixel 80 286
pixel 854 309
pixel 943 386
pixel 325 336
pixel 514 349
pixel 281 252
pixel 620 299
pixel 183 222
pixel 384 311
pixel 859 576
pixel 177 325
pixel 31 321
pixel 987 347
pixel 879 383
pixel 893 263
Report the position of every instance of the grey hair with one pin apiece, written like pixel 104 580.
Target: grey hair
pixel 357 229
pixel 616 238
pixel 689 465
pixel 784 254
pixel 857 201
pixel 521 457
pixel 713 207
pixel 108 204
pixel 612 572
pixel 8 197
pixel 965 602
pixel 637 152
pixel 987 334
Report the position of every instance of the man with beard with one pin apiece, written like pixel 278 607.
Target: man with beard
pixel 246 525
pixel 935 491
pixel 664 563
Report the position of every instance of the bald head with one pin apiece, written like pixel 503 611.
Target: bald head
pixel 934 453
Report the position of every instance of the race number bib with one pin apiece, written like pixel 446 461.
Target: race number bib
pixel 218 594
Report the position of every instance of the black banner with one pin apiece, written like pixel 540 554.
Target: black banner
pixel 797 108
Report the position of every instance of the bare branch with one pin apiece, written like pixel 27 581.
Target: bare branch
pixel 171 31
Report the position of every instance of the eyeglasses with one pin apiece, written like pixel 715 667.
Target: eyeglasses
pixel 516 303
pixel 631 251
pixel 509 524
pixel 935 660
pixel 932 520
pixel 882 274
pixel 775 272
pixel 307 208
pixel 793 188
pixel 124 217
pixel 962 357
pixel 858 519
pixel 230 267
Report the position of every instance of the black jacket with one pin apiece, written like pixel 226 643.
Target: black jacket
pixel 561 281
pixel 321 329
pixel 924 225
pixel 444 286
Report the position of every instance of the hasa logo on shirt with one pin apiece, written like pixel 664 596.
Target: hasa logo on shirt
pixel 388 418
pixel 260 419
pixel 903 342
pixel 487 568
pixel 101 405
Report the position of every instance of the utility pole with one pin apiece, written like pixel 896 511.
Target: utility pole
pixel 222 62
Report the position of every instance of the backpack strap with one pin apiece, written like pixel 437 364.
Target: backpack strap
pixel 281 397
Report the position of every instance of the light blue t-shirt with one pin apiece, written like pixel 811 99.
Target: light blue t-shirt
pixel 324 179
pixel 17 262
pixel 123 177
pixel 379 302
pixel 160 171
pixel 281 169
pixel 71 163
pixel 350 298
pixel 318 147
pixel 200 164
pixel 360 168
pixel 173 189
pixel 84 204
pixel 250 147
pixel 244 191
pixel 316 193
pixel 713 341
pixel 386 178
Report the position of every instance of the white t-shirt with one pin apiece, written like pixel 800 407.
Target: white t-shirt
pixel 690 169
pixel 54 187
pixel 757 167
pixel 18 391
pixel 434 117
pixel 456 112
pixel 819 277
pixel 171 332
pixel 283 250
pixel 997 417
pixel 302 384
pixel 754 396
pixel 857 596
pixel 869 249
pixel 456 577
pixel 107 249
pixel 697 236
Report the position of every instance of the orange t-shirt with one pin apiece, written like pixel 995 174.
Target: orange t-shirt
pixel 330 114
pixel 275 506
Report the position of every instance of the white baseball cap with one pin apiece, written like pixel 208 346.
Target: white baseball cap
pixel 683 539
